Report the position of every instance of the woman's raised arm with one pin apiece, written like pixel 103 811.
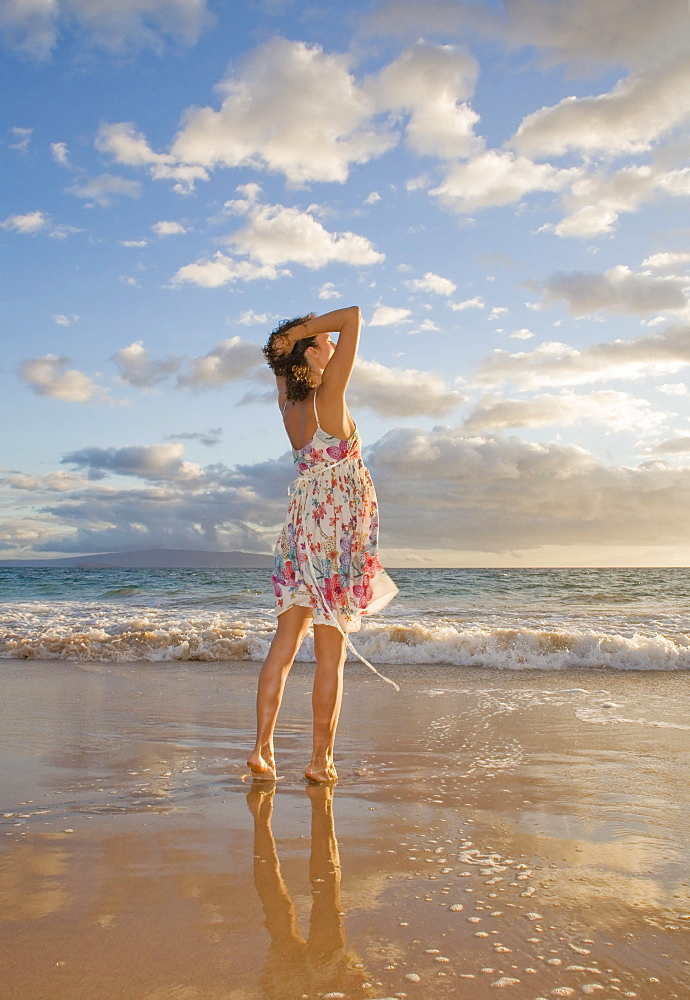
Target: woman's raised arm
pixel 338 321
pixel 347 324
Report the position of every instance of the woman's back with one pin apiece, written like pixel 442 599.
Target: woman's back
pixel 303 418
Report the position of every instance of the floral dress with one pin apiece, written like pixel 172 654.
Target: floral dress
pixel 326 557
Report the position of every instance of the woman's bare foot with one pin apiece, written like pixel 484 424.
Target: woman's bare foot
pixel 322 772
pixel 262 764
pixel 322 777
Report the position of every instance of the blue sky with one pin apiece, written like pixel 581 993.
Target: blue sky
pixel 502 188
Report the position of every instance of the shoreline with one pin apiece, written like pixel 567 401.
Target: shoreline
pixel 138 862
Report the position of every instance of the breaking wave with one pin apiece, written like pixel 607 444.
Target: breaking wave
pixel 104 633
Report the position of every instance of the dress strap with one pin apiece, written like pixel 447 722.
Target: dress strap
pixel 318 425
pixel 284 407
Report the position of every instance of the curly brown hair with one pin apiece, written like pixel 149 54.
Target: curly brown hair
pixel 299 380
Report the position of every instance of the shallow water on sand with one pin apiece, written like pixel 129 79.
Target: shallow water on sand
pixel 489 832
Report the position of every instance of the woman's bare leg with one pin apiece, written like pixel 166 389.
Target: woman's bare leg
pixel 292 628
pixel 327 695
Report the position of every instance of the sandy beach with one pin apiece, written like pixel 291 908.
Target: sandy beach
pixel 524 832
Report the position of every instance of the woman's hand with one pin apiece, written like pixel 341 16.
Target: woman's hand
pixel 284 342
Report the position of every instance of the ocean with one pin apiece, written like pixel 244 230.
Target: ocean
pixel 512 619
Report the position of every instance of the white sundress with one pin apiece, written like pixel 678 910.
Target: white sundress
pixel 326 557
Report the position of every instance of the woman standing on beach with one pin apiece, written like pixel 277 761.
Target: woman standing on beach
pixel 327 569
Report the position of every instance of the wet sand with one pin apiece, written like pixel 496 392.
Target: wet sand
pixel 492 831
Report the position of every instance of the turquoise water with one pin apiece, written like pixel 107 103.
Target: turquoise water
pixel 511 618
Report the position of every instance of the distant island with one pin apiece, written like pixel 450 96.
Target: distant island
pixel 151 559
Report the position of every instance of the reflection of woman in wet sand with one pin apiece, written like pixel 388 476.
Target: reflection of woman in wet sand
pixel 327 570
pixel 322 963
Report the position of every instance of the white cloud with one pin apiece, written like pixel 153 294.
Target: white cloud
pixel 36 222
pixel 142 23
pixel 400 392
pixel 168 228
pixel 137 368
pixel 127 146
pixel 523 334
pixel 61 232
pixel 27 224
pixel 674 389
pixel 62 320
pixel 586 32
pixel 675 182
pixel 617 410
pixel 250 318
pixel 103 188
pixel 389 315
pixel 619 290
pixel 432 283
pixel 22 138
pixel 418 183
pixel 471 491
pixel 590 220
pixel 34 27
pixel 28 25
pixel 274 235
pixel 292 109
pixel 208 438
pixel 372 198
pixel 672 446
pixel 329 291
pixel 219 270
pixel 669 261
pixel 152 462
pixel 639 110
pixel 654 321
pixel 474 303
pixel 596 201
pixel 431 83
pixel 182 506
pixel 27 533
pixel 620 32
pixel 231 361
pixel 496 178
pixel 50 482
pixel 559 364
pixel 134 243
pixel 59 152
pixel 50 376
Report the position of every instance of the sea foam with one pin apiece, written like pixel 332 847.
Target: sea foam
pixel 100 632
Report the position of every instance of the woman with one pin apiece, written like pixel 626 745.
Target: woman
pixel 326 568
